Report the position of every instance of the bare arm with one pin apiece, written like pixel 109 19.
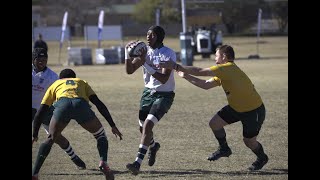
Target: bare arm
pixel 102 108
pixel 204 84
pixel 38 119
pixel 132 64
pixel 197 71
pixel 164 76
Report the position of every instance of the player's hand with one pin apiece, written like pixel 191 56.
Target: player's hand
pixel 181 74
pixel 116 132
pixel 34 139
pixel 143 52
pixel 167 64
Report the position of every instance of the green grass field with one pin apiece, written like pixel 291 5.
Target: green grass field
pixel 185 137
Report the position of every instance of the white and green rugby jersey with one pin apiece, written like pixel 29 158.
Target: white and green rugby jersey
pixel 153 57
pixel 40 83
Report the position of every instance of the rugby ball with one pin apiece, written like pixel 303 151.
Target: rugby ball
pixel 134 48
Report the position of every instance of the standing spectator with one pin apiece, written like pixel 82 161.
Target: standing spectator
pixel 42 78
pixel 40 43
pixel 158 94
pixel 244 102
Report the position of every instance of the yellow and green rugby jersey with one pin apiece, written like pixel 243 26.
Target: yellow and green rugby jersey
pixel 240 92
pixel 69 88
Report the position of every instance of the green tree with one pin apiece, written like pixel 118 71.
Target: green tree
pixel 280 11
pixel 145 11
pixel 238 15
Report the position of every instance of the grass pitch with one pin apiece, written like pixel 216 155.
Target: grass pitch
pixel 185 137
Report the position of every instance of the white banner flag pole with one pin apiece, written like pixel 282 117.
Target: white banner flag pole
pixel 259 29
pixel 63 28
pixel 256 56
pixel 100 27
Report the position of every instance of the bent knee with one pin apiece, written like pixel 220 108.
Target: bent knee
pixel 216 122
pixel 250 142
pixel 49 140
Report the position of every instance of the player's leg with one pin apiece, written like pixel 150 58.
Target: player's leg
pixel 160 104
pixel 55 130
pixel 258 150
pixel 153 146
pixel 60 119
pixel 88 120
pixel 95 127
pixel 252 122
pixel 217 123
pixel 146 102
pixel 142 117
pixel 65 145
pixel 143 146
pixel 160 107
pixel 63 142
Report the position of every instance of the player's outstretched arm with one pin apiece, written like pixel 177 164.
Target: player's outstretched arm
pixel 38 118
pixel 204 84
pixel 197 71
pixel 102 108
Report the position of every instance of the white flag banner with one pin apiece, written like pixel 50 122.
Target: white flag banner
pixel 100 24
pixel 63 28
pixel 259 23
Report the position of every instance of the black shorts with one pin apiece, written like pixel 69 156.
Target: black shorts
pixel 251 120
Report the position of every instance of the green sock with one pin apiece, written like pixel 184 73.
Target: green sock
pixel 102 145
pixel 44 150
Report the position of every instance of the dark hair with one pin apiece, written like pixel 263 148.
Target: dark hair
pixel 159 31
pixel 38 53
pixel 227 50
pixel 67 73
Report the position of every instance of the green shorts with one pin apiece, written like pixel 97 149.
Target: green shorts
pixel 156 103
pixel 73 108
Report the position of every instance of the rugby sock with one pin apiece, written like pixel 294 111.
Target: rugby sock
pixel 259 151
pixel 44 150
pixel 69 151
pixel 221 137
pixel 102 144
pixel 152 143
pixel 141 153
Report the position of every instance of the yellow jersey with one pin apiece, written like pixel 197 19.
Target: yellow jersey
pixel 240 92
pixel 69 88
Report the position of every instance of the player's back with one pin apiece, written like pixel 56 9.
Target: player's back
pixel 68 88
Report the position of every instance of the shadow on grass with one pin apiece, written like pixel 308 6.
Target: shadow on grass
pixel 263 58
pixel 183 172
pixel 200 173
